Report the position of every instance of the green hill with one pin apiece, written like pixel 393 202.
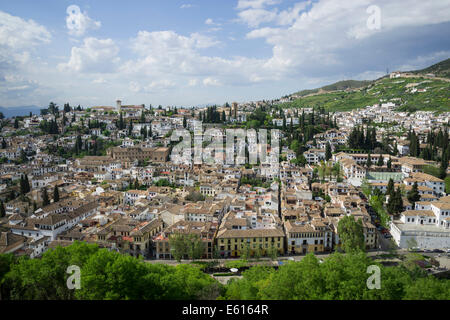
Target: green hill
pixel 411 93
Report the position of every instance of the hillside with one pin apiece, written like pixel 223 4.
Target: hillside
pixel 441 69
pixel 340 85
pixel 411 93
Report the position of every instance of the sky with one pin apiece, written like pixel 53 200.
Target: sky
pixel 187 52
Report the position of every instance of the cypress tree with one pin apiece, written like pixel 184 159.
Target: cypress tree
pixel 328 151
pixel 45 199
pixel 390 188
pixel 27 184
pixel 413 195
pixel 369 161
pixel 2 209
pixel 55 194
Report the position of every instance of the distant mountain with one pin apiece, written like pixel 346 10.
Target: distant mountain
pixel 440 69
pixel 20 111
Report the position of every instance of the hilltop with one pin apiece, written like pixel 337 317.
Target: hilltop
pixel 411 91
pixel 440 69
pixel 340 85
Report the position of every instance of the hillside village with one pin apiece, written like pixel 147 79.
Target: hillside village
pixel 106 175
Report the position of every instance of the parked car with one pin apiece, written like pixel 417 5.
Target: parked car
pixel 438 251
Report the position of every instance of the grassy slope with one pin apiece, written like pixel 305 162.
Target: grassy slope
pixel 435 99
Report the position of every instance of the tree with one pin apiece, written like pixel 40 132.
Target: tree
pixel 55 194
pixel 328 151
pixel 27 184
pixel 369 161
pixel 351 234
pixel 24 184
pixel 190 245
pixel 444 164
pixel 130 128
pixel 336 171
pixel 366 188
pixel 245 251
pixel 16 123
pixel 2 210
pixel 272 252
pixel 395 202
pixel 389 163
pixel 413 194
pixel 178 247
pixel 45 199
pixel 380 161
pixel 195 246
pixel 390 188
pixel 411 243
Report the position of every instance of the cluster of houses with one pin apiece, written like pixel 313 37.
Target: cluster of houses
pixel 134 197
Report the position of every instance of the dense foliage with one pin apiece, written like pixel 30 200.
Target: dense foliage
pixel 339 277
pixel 109 275
pixel 104 275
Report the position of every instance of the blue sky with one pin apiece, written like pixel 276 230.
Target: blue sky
pixel 187 53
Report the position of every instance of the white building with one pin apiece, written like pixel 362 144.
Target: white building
pixel 429 228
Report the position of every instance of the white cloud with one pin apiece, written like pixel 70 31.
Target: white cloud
pixel 134 87
pixel 80 22
pixel 192 82
pixel 95 56
pixel 211 82
pixel 17 33
pixel 186 6
pixel 312 43
pixel 169 42
pixel 317 37
pixel 256 4
pixel 423 61
pixel 154 86
pixel 165 54
pixel 99 81
pixel 19 42
pixel 255 17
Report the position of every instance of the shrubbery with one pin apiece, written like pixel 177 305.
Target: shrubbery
pixel 110 275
